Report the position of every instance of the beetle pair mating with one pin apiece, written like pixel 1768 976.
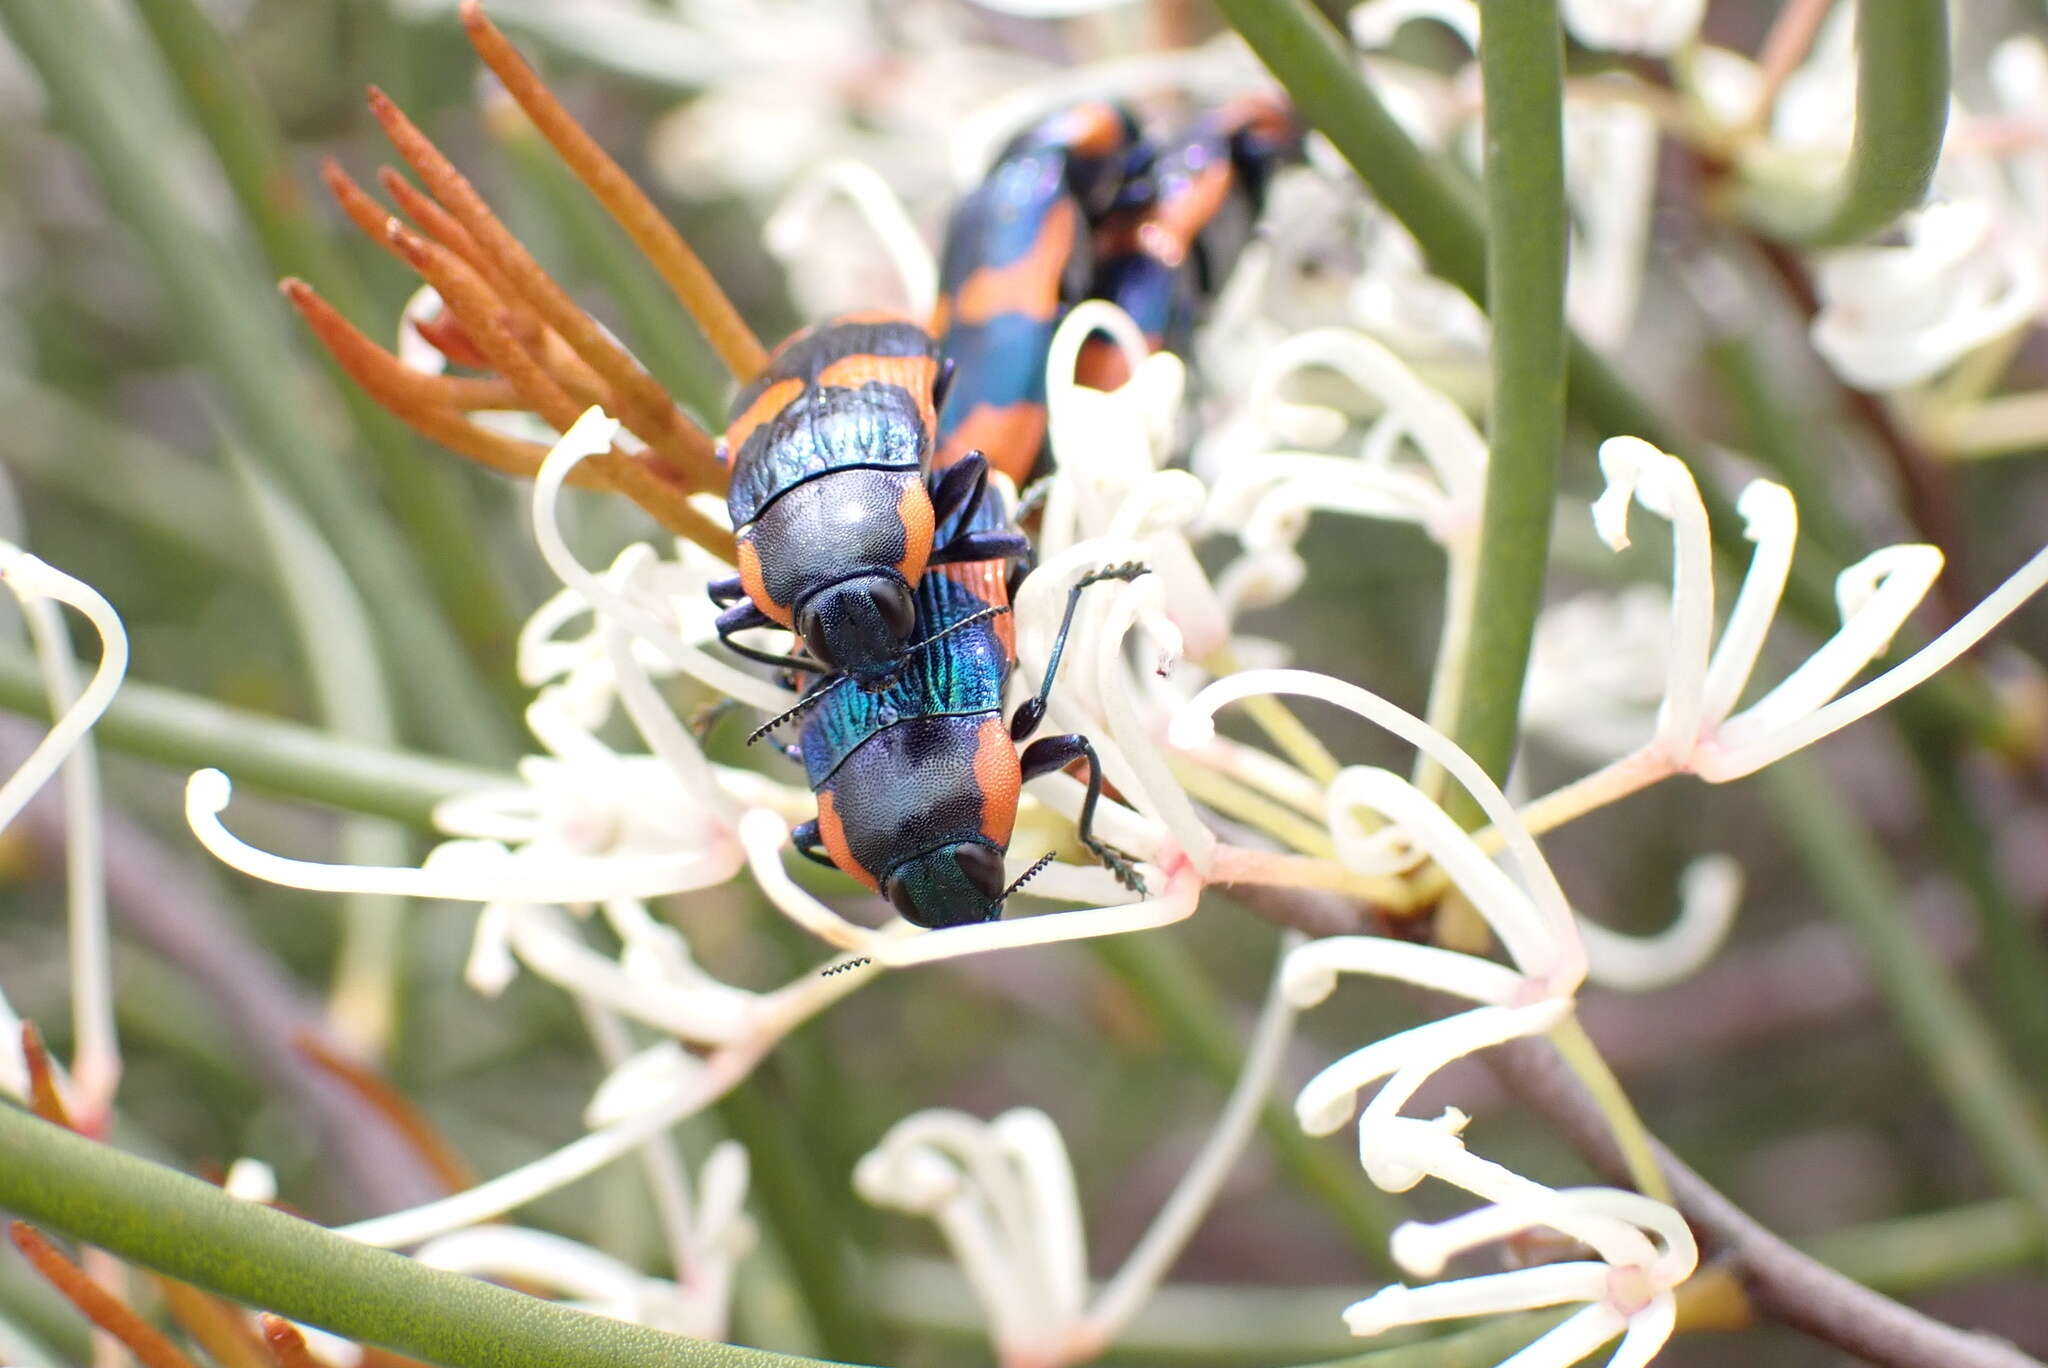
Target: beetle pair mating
pixel 903 738
pixel 865 522
pixel 863 518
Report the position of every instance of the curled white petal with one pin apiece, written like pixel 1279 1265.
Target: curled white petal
pixel 1744 748
pixel 1177 903
pixel 1771 521
pixel 542 939
pixel 1876 595
pixel 31 579
pixel 1709 892
pixel 465 871
pixel 1421 1052
pixel 608 1286
pixel 640 1081
pixel 1311 972
pixel 1648 1331
pixel 519 1186
pixel 1637 471
pixel 1523 1289
pixel 1571 1341
pixel 588 436
pixel 764 834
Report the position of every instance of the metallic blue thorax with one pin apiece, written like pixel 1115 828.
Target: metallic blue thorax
pixel 960 673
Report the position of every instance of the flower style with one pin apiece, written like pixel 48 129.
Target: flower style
pixel 39 587
pixel 1698 729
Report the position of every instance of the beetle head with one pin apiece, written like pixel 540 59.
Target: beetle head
pixel 859 625
pixel 956 884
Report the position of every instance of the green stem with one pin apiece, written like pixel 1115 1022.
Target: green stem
pixel 1181 1000
pixel 1852 872
pixel 2015 962
pixel 1910 1254
pixel 426 494
pixel 1521 59
pixel 1630 1136
pixel 190 1230
pixel 1317 67
pixel 189 732
pixel 1902 75
pixel 109 95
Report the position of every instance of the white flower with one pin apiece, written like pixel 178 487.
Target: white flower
pixel 1002 1193
pixel 1893 316
pixel 1629 1287
pixel 1655 28
pixel 1698 729
pixel 1596 670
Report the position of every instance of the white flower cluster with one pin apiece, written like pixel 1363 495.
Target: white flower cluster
pixel 1319 405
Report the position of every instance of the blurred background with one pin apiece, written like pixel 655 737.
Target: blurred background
pixel 160 165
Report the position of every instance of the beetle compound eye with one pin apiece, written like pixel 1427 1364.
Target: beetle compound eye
pixel 898 611
pixel 900 898
pixel 983 868
pixel 811 627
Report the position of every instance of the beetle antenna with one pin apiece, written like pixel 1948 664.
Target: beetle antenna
pixel 983 616
pixel 803 705
pixel 1027 875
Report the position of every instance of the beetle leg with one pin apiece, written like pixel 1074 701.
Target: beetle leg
pixel 992 543
pixel 1050 753
pixel 1031 711
pixel 958 487
pixel 744 615
pixel 725 592
pixel 942 382
pixel 810 844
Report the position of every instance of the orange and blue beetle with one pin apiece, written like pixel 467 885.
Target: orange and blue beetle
pixel 1177 232
pixel 1016 258
pixel 834 497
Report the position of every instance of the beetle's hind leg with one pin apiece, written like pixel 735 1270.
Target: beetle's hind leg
pixel 1050 753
